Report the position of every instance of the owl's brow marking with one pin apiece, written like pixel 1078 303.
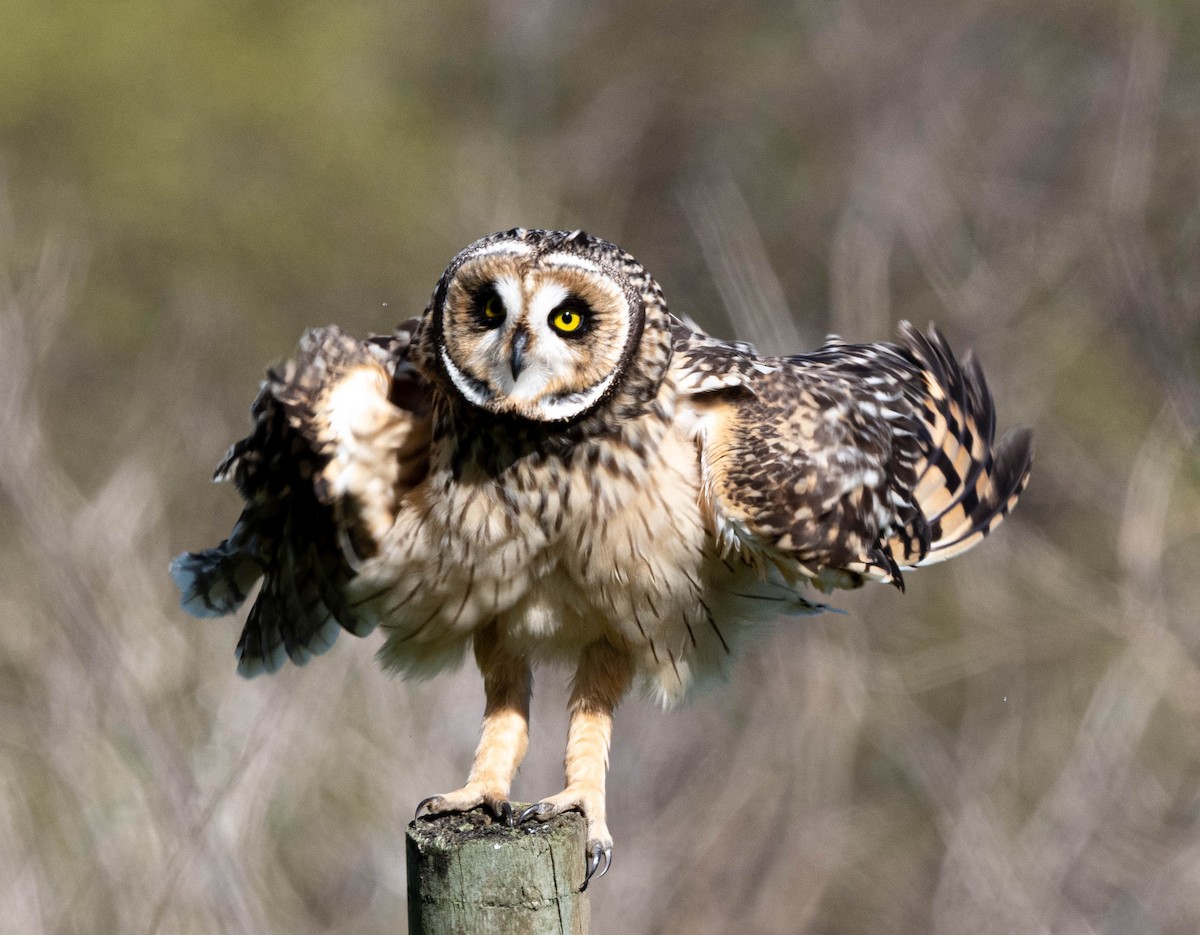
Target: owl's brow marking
pixel 570 259
pixel 509 290
pixel 544 301
pixel 509 247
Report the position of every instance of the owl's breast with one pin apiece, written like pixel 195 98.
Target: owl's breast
pixel 631 558
pixel 461 552
pixel 611 542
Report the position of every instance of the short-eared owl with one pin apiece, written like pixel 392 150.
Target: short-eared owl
pixel 547 466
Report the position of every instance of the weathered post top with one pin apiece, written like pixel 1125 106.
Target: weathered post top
pixel 471 875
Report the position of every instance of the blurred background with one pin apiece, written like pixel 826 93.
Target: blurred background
pixel 1011 746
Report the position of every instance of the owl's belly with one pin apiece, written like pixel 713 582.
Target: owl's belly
pixel 604 553
pixel 681 628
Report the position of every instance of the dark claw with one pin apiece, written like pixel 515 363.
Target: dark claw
pixel 503 810
pixel 534 811
pixel 595 855
pixel 424 804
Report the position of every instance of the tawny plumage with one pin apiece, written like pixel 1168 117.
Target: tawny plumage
pixel 549 467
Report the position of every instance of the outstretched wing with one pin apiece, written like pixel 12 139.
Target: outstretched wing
pixel 857 460
pixel 340 435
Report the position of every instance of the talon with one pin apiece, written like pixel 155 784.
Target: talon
pixel 533 811
pixel 426 804
pixel 595 854
pixel 493 802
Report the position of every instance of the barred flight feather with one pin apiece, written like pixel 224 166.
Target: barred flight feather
pixel 320 473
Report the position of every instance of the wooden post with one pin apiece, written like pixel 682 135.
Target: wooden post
pixel 469 875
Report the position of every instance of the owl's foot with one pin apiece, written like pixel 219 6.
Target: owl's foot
pixel 591 803
pixel 468 797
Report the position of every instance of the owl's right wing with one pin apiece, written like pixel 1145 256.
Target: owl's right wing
pixel 855 461
pixel 340 435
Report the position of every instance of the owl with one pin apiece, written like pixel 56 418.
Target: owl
pixel 549 467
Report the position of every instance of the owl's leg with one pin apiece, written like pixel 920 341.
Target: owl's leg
pixel 603 677
pixel 507 682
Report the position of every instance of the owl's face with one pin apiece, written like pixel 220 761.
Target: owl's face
pixel 538 325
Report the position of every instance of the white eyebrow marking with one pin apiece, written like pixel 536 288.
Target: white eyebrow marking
pixel 509 290
pixel 511 247
pixel 571 259
pixel 545 300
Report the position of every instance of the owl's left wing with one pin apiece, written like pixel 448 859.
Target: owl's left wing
pixel 853 461
pixel 340 435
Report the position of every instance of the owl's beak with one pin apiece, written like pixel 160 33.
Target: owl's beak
pixel 516 357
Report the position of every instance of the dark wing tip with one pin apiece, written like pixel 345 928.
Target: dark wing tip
pixel 1012 462
pixel 980 478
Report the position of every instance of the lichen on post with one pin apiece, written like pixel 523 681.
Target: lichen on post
pixel 471 875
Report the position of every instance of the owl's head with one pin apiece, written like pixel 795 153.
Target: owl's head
pixel 546 326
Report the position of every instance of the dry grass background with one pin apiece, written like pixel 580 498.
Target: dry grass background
pixel 1013 746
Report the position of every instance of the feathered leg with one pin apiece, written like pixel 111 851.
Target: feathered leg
pixel 603 677
pixel 507 683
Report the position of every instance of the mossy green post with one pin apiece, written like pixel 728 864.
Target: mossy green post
pixel 468 875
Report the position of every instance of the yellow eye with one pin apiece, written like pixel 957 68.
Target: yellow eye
pixel 493 310
pixel 566 320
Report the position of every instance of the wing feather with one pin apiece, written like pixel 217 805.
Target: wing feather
pixel 854 461
pixel 340 435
